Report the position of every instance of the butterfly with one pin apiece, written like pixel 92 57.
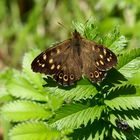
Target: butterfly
pixel 67 61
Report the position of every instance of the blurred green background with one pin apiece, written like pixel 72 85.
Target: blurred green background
pixel 29 24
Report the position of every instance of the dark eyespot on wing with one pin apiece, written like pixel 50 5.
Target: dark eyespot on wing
pixel 95 75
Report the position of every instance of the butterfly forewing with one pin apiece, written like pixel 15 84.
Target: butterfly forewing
pixel 104 59
pixel 49 60
pixel 67 61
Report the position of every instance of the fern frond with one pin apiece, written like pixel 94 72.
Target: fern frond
pixel 83 90
pixel 131 117
pixel 74 115
pixel 124 103
pixel 92 131
pixel 125 88
pixel 125 58
pixel 118 135
pixel 33 131
pixel 133 122
pixel 99 135
pixel 24 110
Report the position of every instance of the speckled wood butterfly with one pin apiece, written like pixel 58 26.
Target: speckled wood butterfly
pixel 67 61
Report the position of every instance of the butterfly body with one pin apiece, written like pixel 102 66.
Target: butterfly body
pixel 72 58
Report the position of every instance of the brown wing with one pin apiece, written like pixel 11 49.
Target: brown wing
pixel 70 70
pixel 104 59
pixel 96 60
pixel 61 62
pixel 48 60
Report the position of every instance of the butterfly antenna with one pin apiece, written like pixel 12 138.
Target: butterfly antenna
pixel 62 25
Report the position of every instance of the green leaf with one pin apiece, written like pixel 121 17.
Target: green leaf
pixel 4 94
pixel 127 57
pixel 89 29
pixel 33 131
pixel 72 116
pixel 118 135
pixel 92 131
pixel 135 79
pixel 83 90
pixel 134 122
pixel 118 45
pixel 5 76
pixel 115 41
pixel 24 110
pixel 130 69
pixel 34 78
pixel 124 103
pixel 21 88
pixel 123 89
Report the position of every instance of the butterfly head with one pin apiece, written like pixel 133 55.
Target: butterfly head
pixel 76 35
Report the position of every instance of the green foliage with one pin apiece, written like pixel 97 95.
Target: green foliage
pixel 76 115
pixel 34 131
pixel 83 90
pixel 83 111
pixel 19 111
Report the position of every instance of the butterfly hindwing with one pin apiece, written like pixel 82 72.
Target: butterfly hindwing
pixel 70 70
pixel 95 75
pixel 90 70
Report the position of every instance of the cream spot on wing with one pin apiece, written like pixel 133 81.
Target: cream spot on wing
pixel 58 67
pixel 101 56
pixel 108 59
pixel 101 62
pixel 100 72
pixel 43 65
pixel 57 51
pixel 65 77
pixel 97 63
pixel 51 61
pixel 52 67
pixel 37 61
pixel 96 73
pixel 104 51
pixel 44 56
